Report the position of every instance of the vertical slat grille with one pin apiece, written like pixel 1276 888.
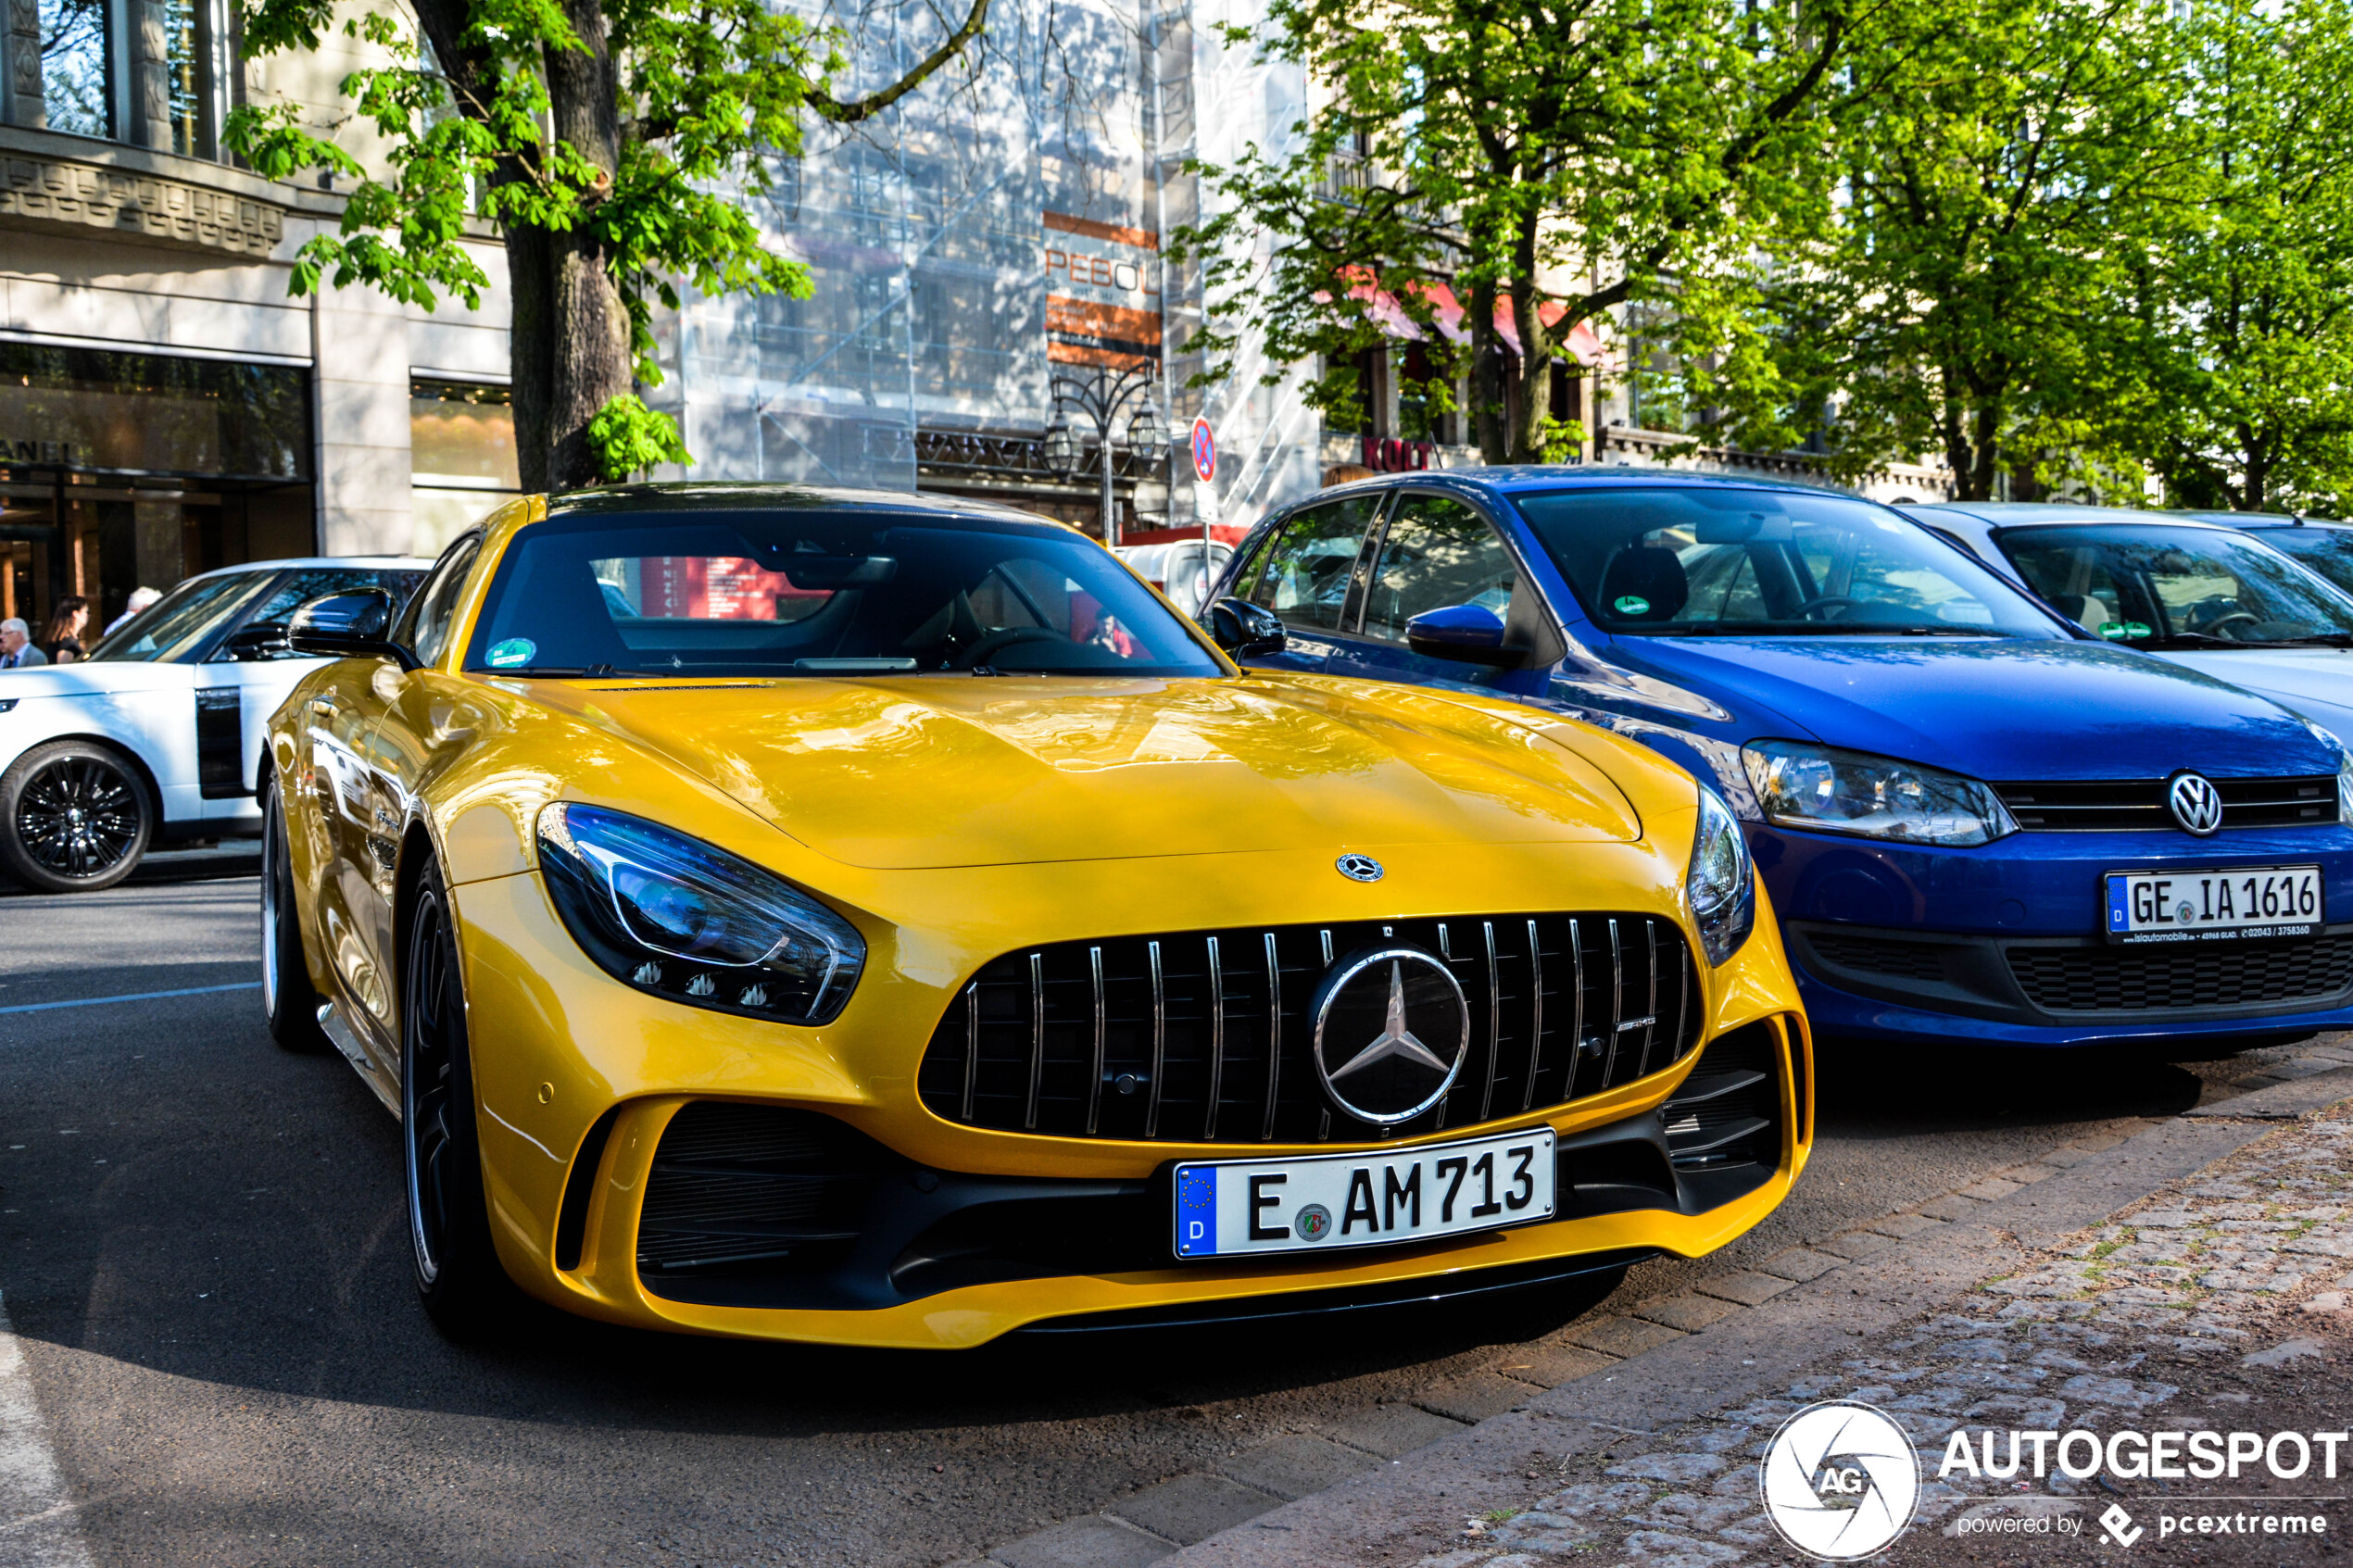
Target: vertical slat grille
pixel 1168 1039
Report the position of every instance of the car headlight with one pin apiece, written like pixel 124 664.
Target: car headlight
pixel 1823 789
pixel 688 921
pixel 1721 882
pixel 2344 766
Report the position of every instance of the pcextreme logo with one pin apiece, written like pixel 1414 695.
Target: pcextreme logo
pixel 1840 1480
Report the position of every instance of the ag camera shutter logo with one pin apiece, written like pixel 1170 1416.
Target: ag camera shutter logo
pixel 1840 1480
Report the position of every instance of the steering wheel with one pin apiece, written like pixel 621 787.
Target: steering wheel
pixel 2235 615
pixel 978 652
pixel 1810 605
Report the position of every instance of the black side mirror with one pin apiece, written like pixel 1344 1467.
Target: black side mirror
pixel 1245 630
pixel 1466 634
pixel 250 642
pixel 353 625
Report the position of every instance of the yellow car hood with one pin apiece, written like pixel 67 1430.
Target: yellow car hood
pixel 937 772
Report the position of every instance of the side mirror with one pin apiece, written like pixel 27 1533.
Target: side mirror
pixel 1466 634
pixel 1245 630
pixel 250 642
pixel 353 625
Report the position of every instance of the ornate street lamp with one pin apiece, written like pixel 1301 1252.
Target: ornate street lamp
pixel 1100 395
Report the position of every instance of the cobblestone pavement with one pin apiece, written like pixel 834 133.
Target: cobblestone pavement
pixel 2146 1320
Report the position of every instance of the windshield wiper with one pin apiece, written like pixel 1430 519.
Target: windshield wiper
pixel 564 672
pixel 1821 629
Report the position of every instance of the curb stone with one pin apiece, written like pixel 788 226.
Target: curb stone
pixel 1632 1370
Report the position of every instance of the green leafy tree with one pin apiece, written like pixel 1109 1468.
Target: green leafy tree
pixel 614 142
pixel 2248 306
pixel 1969 295
pixel 1559 157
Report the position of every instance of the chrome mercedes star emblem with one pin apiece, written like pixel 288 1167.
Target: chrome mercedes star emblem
pixel 1394 1039
pixel 2196 804
pixel 1418 1049
pixel 1360 868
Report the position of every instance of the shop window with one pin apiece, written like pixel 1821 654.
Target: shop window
pixel 462 463
pixel 77 76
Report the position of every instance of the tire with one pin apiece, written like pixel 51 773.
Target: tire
pixel 288 999
pixel 463 1287
pixel 74 817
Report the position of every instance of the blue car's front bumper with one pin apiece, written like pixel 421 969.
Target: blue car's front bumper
pixel 2002 944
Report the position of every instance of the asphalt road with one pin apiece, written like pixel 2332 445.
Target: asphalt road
pixel 201 1248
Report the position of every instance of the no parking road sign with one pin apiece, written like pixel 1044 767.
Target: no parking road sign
pixel 1205 451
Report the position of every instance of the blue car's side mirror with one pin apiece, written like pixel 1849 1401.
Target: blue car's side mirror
pixel 1466 634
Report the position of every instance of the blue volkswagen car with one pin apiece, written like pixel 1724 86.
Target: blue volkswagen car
pixel 1976 821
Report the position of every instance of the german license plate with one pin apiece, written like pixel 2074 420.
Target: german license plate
pixel 1323 1202
pixel 2205 905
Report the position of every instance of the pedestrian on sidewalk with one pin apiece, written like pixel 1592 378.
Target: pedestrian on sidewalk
pixel 62 639
pixel 17 648
pixel 139 599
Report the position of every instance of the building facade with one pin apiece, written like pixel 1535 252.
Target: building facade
pixel 984 252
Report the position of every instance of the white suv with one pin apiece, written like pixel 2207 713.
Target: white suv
pixel 157 733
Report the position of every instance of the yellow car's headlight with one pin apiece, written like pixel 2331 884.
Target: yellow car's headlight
pixel 1720 882
pixel 687 920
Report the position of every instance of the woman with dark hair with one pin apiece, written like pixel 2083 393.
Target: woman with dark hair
pixel 62 639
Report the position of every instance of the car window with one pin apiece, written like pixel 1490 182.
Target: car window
pixel 1437 552
pixel 1302 574
pixel 2328 551
pixel 808 592
pixel 425 628
pixel 261 633
pixel 2158 584
pixel 182 619
pixel 1701 560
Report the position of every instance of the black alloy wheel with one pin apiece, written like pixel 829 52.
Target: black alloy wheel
pixel 460 1279
pixel 288 999
pixel 78 817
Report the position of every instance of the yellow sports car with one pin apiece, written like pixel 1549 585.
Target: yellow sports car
pixel 882 920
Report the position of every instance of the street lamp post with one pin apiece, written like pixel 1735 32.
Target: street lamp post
pixel 1100 394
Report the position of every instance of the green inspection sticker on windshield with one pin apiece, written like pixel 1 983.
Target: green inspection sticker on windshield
pixel 2121 631
pixel 1631 604
pixel 513 651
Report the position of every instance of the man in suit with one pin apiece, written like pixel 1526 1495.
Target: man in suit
pixel 17 651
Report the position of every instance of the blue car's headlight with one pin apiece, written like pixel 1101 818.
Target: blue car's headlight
pixel 1720 883
pixel 688 921
pixel 1824 789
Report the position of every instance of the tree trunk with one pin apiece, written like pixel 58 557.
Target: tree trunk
pixel 530 336
pixel 580 333
pixel 1532 377
pixel 1487 379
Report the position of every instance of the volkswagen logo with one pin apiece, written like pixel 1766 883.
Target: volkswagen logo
pixel 1391 1031
pixel 1359 867
pixel 2196 804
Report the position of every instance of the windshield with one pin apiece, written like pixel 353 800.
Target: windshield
pixel 183 615
pixel 1698 561
pixel 2163 585
pixel 2328 551
pixel 792 592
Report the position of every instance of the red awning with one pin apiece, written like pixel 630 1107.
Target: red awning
pixel 1390 315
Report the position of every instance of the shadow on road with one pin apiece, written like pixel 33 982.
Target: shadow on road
pixel 219 1211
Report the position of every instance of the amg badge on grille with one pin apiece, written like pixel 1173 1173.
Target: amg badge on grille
pixel 1391 1030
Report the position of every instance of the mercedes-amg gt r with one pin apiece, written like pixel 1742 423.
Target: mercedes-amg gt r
pixel 877 919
